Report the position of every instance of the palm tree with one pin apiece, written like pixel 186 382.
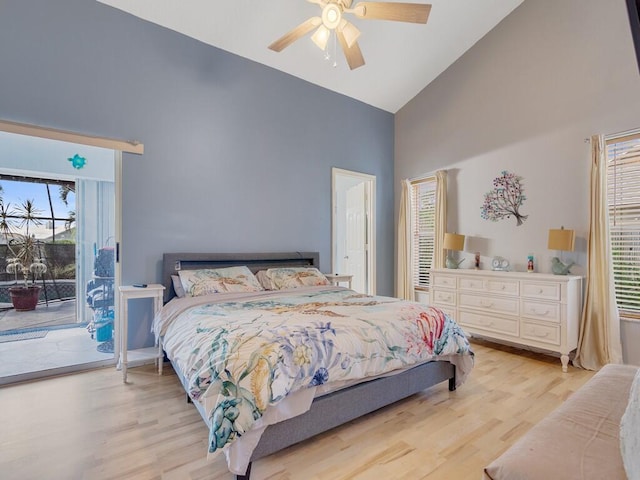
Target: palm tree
pixel 25 249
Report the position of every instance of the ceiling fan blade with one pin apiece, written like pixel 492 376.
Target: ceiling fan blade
pixel 351 33
pixel 352 54
pixel 398 12
pixel 293 35
pixel 322 3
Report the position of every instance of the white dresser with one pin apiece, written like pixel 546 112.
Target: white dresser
pixel 532 309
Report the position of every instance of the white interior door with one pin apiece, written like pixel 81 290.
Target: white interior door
pixel 353 227
pixel 354 261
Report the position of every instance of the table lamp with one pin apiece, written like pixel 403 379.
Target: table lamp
pixel 564 241
pixel 453 242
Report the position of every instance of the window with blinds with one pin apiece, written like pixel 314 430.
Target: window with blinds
pixel 623 197
pixel 423 225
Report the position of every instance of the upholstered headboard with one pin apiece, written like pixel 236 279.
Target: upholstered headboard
pixel 172 263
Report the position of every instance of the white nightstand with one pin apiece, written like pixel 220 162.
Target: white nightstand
pixel 336 278
pixel 128 292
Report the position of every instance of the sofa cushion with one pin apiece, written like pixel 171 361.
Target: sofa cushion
pixel 578 440
pixel 630 432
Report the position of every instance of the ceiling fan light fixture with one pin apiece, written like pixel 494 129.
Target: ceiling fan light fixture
pixel 331 16
pixel 321 36
pixel 331 22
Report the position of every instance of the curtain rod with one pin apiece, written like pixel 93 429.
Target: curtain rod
pixel 132 146
pixel 426 176
pixel 618 137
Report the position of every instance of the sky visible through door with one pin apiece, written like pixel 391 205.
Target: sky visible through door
pixel 14 193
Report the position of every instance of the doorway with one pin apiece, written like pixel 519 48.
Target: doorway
pixel 65 332
pixel 353 228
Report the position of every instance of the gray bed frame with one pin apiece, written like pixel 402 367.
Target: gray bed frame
pixel 330 410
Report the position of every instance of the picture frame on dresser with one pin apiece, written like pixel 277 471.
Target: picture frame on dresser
pixel 536 311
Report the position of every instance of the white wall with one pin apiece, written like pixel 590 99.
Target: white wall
pixel 524 99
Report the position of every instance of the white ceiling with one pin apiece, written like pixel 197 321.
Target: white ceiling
pixel 401 58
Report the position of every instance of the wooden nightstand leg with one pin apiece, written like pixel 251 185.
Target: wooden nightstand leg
pixel 124 324
pixel 157 305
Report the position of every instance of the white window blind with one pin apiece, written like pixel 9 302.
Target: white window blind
pixel 623 197
pixel 423 224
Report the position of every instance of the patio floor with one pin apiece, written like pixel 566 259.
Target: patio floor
pixel 65 345
pixel 57 313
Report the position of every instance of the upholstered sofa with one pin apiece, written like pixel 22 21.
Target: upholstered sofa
pixel 594 435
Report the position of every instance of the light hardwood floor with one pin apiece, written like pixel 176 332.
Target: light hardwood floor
pixel 92 426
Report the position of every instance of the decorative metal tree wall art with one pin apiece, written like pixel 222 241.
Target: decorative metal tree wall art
pixel 505 199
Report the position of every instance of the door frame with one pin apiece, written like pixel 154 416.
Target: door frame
pixel 118 147
pixel 370 211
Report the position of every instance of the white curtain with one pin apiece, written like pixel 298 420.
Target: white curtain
pixel 599 340
pixel 404 277
pixel 441 218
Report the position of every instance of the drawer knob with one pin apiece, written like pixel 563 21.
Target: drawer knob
pixel 536 333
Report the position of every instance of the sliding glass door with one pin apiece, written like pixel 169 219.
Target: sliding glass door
pixel 72 192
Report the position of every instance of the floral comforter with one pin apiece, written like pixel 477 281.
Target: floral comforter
pixel 241 353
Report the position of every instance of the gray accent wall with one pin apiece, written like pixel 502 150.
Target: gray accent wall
pixel 524 99
pixel 238 156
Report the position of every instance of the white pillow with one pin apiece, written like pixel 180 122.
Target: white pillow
pixel 295 277
pixel 265 280
pixel 630 432
pixel 218 280
pixel 200 282
pixel 177 286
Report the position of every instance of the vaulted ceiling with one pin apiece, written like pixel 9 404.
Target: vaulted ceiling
pixel 401 58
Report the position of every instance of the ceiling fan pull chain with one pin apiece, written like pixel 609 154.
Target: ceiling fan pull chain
pixel 335 54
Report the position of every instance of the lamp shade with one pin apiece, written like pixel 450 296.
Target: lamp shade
pixel 561 239
pixel 453 241
pixel 321 37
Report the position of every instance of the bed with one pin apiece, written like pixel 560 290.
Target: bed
pixel 288 373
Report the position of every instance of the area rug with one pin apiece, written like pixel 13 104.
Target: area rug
pixel 16 337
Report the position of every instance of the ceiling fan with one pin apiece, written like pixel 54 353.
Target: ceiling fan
pixel 332 20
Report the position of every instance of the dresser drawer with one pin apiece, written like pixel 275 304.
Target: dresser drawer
pixel 506 287
pixel 444 281
pixel 493 304
pixel 446 297
pixel 488 323
pixel 541 333
pixel 475 284
pixel 541 311
pixel 543 291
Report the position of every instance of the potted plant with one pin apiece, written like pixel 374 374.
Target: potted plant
pixel 24 252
